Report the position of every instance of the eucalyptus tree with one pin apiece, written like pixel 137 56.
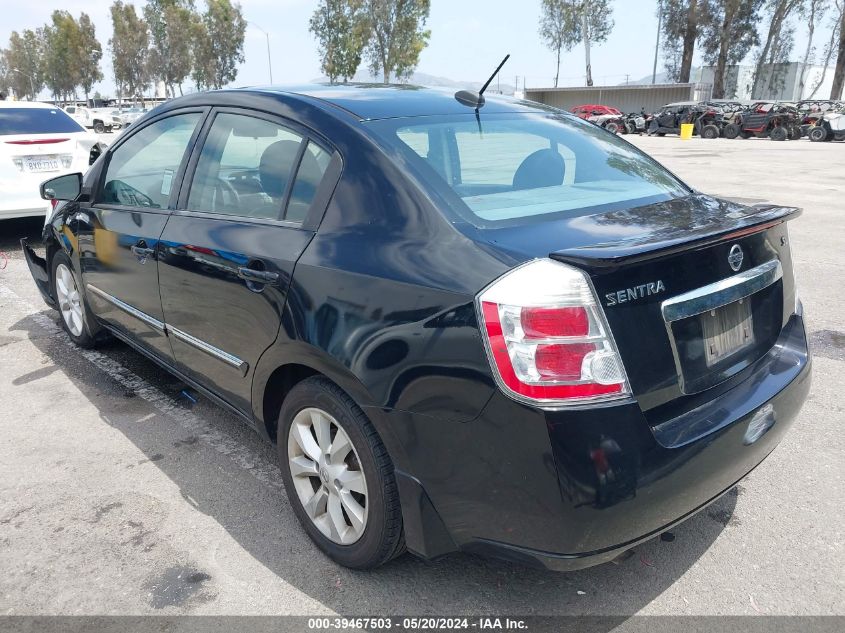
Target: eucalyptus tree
pixel 567 23
pixel 728 36
pixel 129 47
pixel 681 28
pixel 23 61
pixel 218 44
pixel 341 28
pixel 397 36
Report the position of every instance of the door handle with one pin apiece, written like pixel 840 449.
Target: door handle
pixel 257 276
pixel 141 251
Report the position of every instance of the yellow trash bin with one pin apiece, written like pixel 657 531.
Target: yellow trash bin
pixel 686 131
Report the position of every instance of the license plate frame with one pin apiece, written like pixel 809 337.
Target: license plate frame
pixel 726 331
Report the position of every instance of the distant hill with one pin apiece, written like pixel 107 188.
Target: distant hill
pixel 662 78
pixel 433 81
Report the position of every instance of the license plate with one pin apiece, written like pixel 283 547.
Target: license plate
pixel 727 330
pixel 41 164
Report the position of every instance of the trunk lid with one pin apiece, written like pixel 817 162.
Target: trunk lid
pixel 679 254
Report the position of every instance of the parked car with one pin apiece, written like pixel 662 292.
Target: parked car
pixel 494 329
pixel 37 141
pixel 99 120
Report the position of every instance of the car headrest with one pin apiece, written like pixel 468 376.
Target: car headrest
pixel 276 165
pixel 543 168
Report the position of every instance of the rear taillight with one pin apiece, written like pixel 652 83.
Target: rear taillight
pixel 38 141
pixel 547 337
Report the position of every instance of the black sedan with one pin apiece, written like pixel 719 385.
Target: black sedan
pixel 497 329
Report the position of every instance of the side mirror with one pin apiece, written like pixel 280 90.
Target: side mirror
pixel 65 187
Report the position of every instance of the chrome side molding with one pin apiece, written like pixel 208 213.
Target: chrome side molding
pixel 721 292
pixel 131 310
pixel 211 350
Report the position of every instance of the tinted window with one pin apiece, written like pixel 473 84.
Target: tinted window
pixel 509 168
pixel 315 160
pixel 247 166
pixel 141 171
pixel 36 121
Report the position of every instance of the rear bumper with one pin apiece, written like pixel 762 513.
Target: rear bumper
pixel 643 500
pixel 572 489
pixel 38 270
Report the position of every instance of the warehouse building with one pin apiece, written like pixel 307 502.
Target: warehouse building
pixel 627 98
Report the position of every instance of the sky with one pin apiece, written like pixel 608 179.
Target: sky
pixel 468 40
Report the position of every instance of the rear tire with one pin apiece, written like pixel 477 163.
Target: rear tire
pixel 710 132
pixel 70 300
pixel 731 130
pixel 817 134
pixel 99 128
pixel 334 520
pixel 778 133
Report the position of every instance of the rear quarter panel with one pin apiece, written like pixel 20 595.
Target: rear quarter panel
pixel 382 298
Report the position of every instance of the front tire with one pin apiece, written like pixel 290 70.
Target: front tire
pixel 778 133
pixel 99 128
pixel 70 299
pixel 731 130
pixel 710 132
pixel 338 476
pixel 817 134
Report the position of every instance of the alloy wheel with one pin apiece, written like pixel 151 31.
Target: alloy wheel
pixel 70 302
pixel 327 475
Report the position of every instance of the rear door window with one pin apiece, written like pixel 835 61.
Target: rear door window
pixel 256 168
pixel 36 121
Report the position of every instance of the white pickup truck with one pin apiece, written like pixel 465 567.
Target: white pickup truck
pixel 98 119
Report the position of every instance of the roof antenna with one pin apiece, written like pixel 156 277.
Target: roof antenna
pixel 476 99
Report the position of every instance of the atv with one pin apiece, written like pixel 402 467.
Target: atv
pixel 669 118
pixel 610 122
pixel 706 118
pixel 811 112
pixel 604 116
pixel 711 118
pixel 830 127
pixel 635 122
pixel 778 121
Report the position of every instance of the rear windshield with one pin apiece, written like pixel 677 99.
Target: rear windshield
pixel 36 121
pixel 501 169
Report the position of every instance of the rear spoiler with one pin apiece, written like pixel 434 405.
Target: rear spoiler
pixel 638 249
